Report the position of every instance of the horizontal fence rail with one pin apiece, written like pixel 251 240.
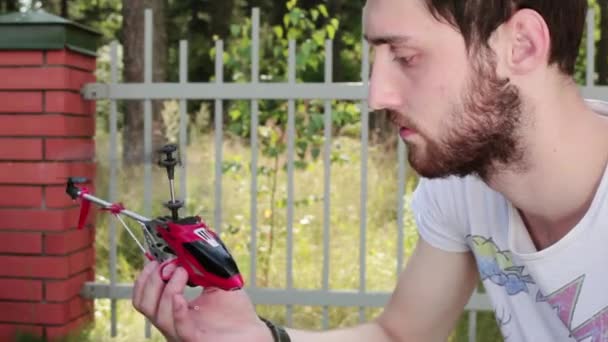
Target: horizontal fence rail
pixel 261 91
pixel 290 91
pixel 267 296
pixel 226 91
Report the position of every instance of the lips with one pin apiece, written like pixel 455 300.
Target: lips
pixel 405 132
pixel 405 127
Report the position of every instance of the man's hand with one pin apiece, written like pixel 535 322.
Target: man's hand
pixel 426 304
pixel 215 315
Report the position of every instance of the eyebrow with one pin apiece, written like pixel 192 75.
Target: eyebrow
pixel 390 40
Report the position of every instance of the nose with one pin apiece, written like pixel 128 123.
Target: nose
pixel 384 90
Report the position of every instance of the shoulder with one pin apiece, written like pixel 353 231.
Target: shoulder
pixel 452 191
pixel 445 208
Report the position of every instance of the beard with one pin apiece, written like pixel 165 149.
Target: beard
pixel 482 130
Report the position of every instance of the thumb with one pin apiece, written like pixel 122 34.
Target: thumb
pixel 184 324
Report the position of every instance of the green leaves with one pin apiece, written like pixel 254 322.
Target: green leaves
pixel 323 10
pixel 278 31
pixel 291 4
pixel 231 166
pixel 332 28
pixel 316 124
pixel 271 139
pixel 235 30
pixel 310 28
pixel 319 37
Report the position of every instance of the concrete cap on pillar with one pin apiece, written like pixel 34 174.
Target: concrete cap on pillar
pixel 37 29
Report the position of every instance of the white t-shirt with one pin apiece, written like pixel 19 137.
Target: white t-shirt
pixel 557 294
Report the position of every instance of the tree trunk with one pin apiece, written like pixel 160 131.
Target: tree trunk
pixel 601 56
pixel 220 11
pixel 133 47
pixel 335 8
pixel 7 6
pixel 64 9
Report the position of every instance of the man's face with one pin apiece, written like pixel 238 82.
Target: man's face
pixel 452 110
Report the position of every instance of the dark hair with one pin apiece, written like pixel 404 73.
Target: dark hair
pixel 478 19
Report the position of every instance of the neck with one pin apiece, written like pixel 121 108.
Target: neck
pixel 565 158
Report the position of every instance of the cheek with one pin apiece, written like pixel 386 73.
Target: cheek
pixel 433 104
pixel 433 90
pixel 435 80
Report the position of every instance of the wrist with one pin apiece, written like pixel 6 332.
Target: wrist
pixel 278 333
pixel 265 334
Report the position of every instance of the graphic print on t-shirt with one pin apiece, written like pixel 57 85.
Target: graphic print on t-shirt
pixel 564 302
pixel 497 266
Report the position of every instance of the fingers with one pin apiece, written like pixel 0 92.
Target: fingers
pixel 140 284
pixel 152 289
pixel 184 324
pixel 177 284
pixel 155 300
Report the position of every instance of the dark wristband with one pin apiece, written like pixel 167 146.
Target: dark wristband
pixel 278 333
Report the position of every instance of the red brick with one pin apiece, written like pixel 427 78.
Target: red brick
pixel 69 149
pixel 43 173
pixel 20 149
pixel 69 241
pixel 21 196
pixel 20 101
pixel 66 57
pixel 52 78
pixel 59 333
pixel 68 103
pixel 34 267
pixel 63 290
pixel 55 197
pixel 20 243
pixel 91 275
pixel 42 313
pixel 20 289
pixel 19 58
pixel 79 306
pixel 39 219
pixel 10 332
pixel 81 261
pixel 54 125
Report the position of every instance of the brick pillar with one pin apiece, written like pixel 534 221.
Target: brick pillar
pixel 46 135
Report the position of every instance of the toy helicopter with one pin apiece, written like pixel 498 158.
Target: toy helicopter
pixel 187 242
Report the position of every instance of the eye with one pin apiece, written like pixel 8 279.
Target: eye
pixel 404 61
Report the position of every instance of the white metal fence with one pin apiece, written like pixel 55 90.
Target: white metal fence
pixel 255 91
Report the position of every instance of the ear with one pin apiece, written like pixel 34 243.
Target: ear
pixel 529 42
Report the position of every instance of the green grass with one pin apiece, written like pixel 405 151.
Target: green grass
pixel 381 234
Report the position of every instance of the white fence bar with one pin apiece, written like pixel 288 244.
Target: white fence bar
pixel 291 137
pixel 595 92
pixel 113 186
pixel 590 74
pixel 364 159
pixel 183 120
pixel 401 150
pixel 472 326
pixel 255 62
pixel 219 133
pixel 148 58
pixel 327 178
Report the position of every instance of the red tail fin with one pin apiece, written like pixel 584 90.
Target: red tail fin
pixel 84 210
